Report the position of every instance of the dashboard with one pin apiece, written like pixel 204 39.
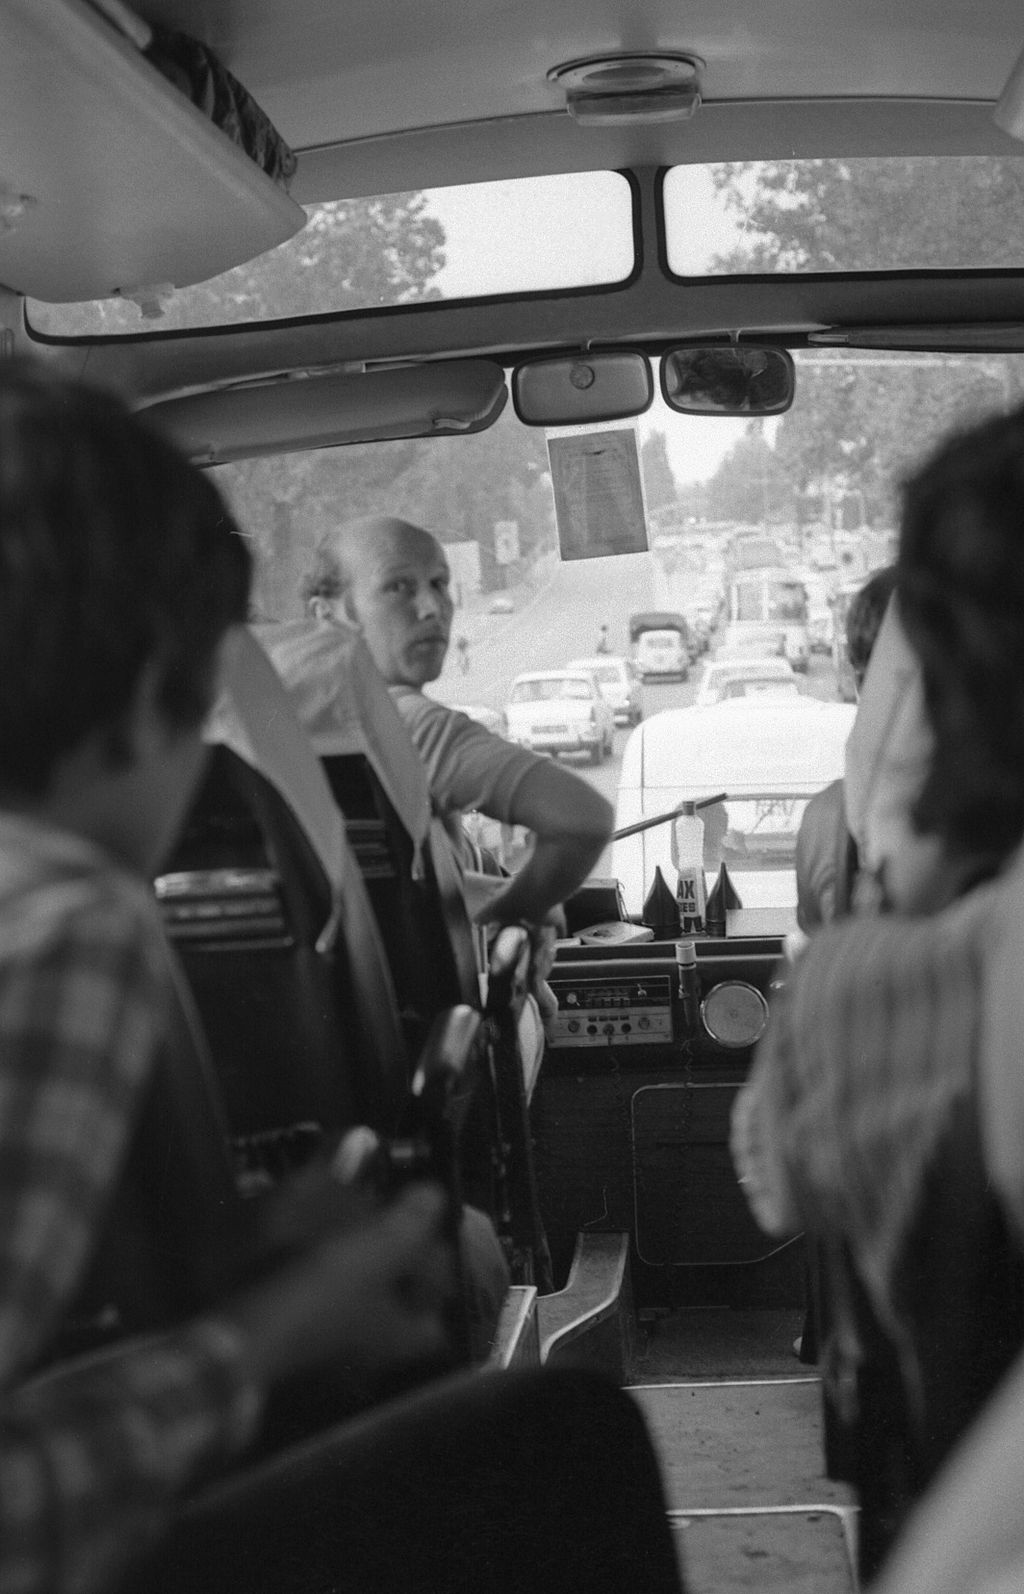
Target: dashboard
pixel 631 1115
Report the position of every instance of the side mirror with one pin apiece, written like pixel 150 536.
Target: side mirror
pixel 727 379
pixel 575 389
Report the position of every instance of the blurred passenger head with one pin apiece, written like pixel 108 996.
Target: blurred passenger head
pixel 864 617
pixel 391 580
pixel 960 575
pixel 120 569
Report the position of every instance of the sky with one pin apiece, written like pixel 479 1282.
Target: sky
pixel 559 232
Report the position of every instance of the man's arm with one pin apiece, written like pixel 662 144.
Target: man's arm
pixel 571 825
pixel 470 768
pixel 95 1454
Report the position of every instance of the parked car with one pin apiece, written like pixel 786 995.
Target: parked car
pixel 768 758
pixel 560 711
pixel 743 677
pixel 618 683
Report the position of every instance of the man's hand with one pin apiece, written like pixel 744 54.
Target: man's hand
pixel 365 1298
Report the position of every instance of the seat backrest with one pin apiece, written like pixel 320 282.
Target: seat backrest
pixel 423 920
pixel 380 786
pixel 266 905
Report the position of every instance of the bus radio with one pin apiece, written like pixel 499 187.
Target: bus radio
pixel 612 1012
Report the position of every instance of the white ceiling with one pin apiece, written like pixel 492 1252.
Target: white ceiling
pixel 337 70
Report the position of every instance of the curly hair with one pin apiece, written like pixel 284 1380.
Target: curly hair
pixel 115 554
pixel 960 578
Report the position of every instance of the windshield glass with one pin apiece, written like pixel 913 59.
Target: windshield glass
pixel 547 691
pixel 820 483
pixel 741 520
pixel 360 254
pixel 792 216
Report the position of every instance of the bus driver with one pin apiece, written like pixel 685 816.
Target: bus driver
pixel 391 579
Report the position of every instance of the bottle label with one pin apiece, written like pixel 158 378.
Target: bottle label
pixel 690 899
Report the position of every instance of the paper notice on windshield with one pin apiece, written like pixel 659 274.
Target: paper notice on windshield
pixel 599 498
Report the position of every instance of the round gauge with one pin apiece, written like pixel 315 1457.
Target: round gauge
pixel 734 1013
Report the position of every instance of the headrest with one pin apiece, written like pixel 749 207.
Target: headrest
pixel 344 706
pixel 254 716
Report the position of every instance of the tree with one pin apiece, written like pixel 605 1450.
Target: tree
pixel 457 487
pixel 660 483
pixel 749 485
pixel 353 254
pixel 874 214
pixel 862 421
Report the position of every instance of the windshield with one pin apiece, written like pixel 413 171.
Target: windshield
pixel 824 479
pixel 546 691
pixel 392 249
pixel 815 491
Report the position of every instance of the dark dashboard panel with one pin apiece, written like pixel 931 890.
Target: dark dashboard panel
pixel 631 1115
pixel 636 1003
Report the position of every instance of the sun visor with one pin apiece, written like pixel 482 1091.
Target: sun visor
pixel 441 399
pixel 166 198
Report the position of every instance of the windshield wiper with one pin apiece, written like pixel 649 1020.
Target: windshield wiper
pixel 662 819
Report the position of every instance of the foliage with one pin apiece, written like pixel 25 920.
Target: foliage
pixel 862 421
pixel 874 214
pixel 660 484
pixel 750 485
pixel 455 486
pixel 353 254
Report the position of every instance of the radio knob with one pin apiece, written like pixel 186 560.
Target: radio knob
pixel 643 1023
pixel 626 1028
pixel 573 1025
pixel 608 1029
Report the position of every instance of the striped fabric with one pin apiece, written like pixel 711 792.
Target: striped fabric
pixel 871 1048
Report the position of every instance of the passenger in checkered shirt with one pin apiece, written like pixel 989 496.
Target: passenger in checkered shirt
pixel 121 576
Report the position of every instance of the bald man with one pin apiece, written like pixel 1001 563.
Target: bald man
pixel 391 580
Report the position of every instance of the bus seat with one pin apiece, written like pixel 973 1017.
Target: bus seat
pixel 265 904
pixel 411 874
pixel 416 884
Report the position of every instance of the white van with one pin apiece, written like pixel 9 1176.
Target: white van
pixel 662 653
pixel 768 756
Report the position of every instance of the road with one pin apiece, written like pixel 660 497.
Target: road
pixel 557 618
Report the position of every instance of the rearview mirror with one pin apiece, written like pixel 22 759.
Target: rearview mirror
pixel 574 389
pixel 727 379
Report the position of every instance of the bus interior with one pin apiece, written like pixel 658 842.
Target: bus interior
pixel 479 238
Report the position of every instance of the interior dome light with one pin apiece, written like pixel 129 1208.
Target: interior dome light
pixel 660 87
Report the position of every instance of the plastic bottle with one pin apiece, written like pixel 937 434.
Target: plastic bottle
pixel 688 857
